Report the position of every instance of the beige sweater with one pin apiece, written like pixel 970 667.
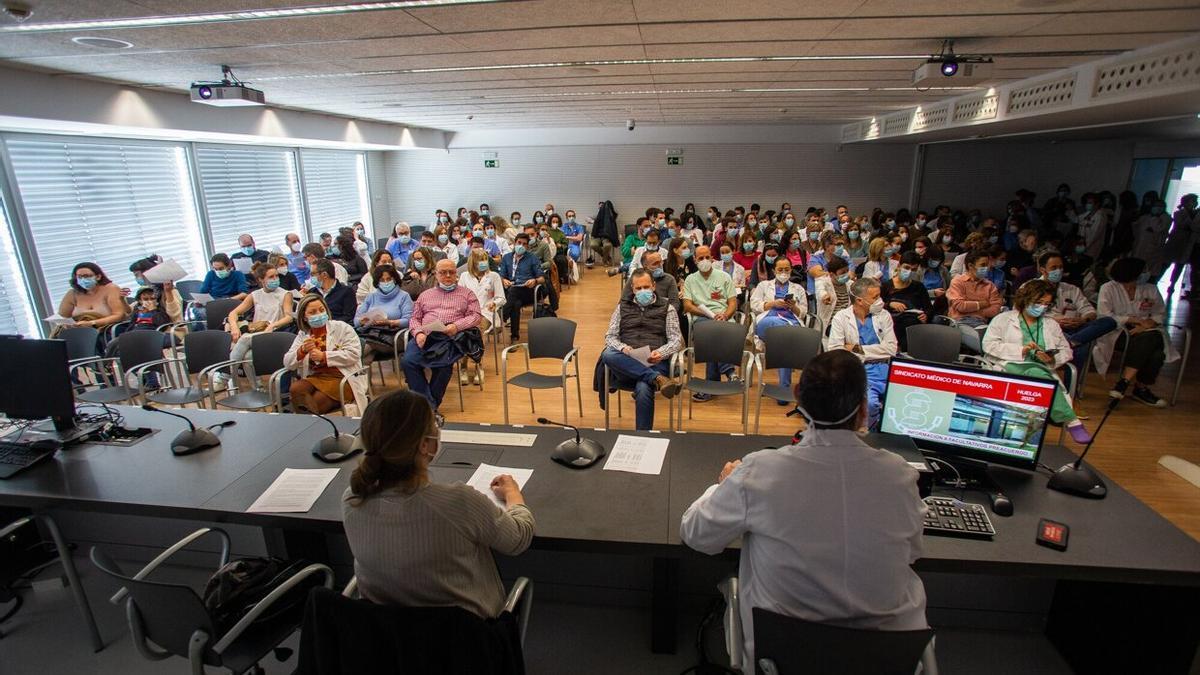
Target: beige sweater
pixel 433 547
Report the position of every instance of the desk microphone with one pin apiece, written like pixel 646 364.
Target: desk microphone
pixel 191 441
pixel 336 448
pixel 577 453
pixel 1082 481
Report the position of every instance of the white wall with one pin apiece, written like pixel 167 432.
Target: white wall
pixel 635 177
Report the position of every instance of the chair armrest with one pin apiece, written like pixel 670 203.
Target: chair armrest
pixel 176 548
pixel 230 364
pixel 263 605
pixel 513 348
pixel 567 359
pixel 275 388
pixel 139 369
pixel 733 621
pixel 519 603
pixel 14 526
pixel 78 363
pixel 351 589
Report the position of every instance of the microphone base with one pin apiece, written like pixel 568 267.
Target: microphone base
pixel 1081 482
pixel 337 449
pixel 578 454
pixel 189 442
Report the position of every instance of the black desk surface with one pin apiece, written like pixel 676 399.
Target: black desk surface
pixel 1115 539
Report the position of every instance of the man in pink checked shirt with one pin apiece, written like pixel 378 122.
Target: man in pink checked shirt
pixel 451 305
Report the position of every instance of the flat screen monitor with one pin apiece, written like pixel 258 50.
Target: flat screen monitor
pixel 958 411
pixel 35 382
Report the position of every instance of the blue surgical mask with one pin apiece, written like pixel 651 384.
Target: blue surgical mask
pixel 448 287
pixel 776 235
pixel 657 272
pixel 795 245
pixel 1080 248
pixel 904 274
pixel 843 278
pixel 1054 276
pixel 273 284
pixel 840 251
pixel 1036 311
pixel 1089 207
pixel 981 271
pixel 141 281
pixel 221 274
pixel 789 222
pixel 387 287
pixel 405 239
pixel 418 264
pixel 686 253
pixel 477 233
pixel 491 232
pixel 482 265
pixel 748 246
pixel 771 260
pixel 891 224
pixel 813 236
pixel 538 219
pixel 853 234
pixel 934 264
pixel 248 250
pixel 644 297
pixel 999 264
pixel 671 233
pixel 318 320
pixel 726 257
pixel 443 219
pixel 86 283
pixel 485 212
pixel 442 239
pixel 519 249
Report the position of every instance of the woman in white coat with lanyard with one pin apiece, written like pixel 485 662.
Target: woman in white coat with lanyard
pixel 778 302
pixel 489 290
pixel 867 330
pixel 324 352
pixel 1138 307
pixel 1023 341
pixel 816 545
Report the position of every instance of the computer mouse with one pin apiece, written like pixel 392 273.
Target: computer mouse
pixel 1001 505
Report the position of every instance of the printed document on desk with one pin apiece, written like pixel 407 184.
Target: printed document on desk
pixel 637 454
pixel 486 473
pixel 294 491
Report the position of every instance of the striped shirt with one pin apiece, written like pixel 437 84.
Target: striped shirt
pixel 459 307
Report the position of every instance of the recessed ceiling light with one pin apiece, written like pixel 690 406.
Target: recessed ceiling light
pixel 101 42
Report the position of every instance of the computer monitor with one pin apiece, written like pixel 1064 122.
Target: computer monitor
pixel 958 411
pixel 35 382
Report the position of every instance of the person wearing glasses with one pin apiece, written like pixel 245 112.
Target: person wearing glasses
pixel 442 330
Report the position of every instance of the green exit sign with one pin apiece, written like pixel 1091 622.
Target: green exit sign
pixel 491 163
pixel 674 161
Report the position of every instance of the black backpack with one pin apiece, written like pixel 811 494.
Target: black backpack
pixel 240 584
pixel 543 310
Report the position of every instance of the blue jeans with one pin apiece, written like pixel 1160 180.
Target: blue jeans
pixel 433 388
pixel 760 329
pixel 712 370
pixel 1085 335
pixel 626 369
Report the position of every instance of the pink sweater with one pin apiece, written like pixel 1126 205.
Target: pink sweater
pixel 973 297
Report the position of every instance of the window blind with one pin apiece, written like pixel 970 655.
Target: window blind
pixel 250 191
pixel 107 202
pixel 16 310
pixel 335 188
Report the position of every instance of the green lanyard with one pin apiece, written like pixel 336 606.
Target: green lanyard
pixel 1033 337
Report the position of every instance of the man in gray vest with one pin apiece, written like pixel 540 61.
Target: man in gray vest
pixel 642 335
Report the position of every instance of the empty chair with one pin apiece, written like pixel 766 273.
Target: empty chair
pixel 784 347
pixel 201 350
pixel 717 342
pixel 108 373
pixel 82 342
pixel 218 311
pixel 785 645
pixel 934 342
pixel 266 360
pixel 548 338
pixel 171 620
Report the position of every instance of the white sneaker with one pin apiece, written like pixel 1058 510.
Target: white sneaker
pixel 479 377
pixel 222 382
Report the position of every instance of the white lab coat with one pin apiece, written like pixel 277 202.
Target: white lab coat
pixel 1004 340
pixel 1147 303
pixel 1092 228
pixel 1070 303
pixel 344 352
pixel 487 289
pixel 823 287
pixel 830 527
pixel 878 270
pixel 735 272
pixel 764 292
pixel 843 330
pixel 366 286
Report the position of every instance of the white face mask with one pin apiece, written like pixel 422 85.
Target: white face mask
pixel 705 265
pixel 876 307
pixel 782 277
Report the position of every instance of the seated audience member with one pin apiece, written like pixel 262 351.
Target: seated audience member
pixel 764 267
pixel 362 243
pixel 401 243
pixel 456 307
pixel 444 244
pixel 247 249
pixel 168 297
pixel 794 250
pixel 272 311
pixel 856 243
pixel 314 253
pixel 222 281
pixel 652 244
pixel 778 302
pixel 865 329
pixel 998 258
pixel 1021 257
pixel 679 262
pixel 338 296
pixel 709 295
pixel 287 280
pixel 726 264
pixel 383 313
pixel 429 241
pixel 643 319
pixel 833 291
pixel 297 263
pixel 792 504
pixel 632 241
pixel 347 256
pixel 830 244
pixel 936 278
pixel 573 234
pixel 1072 310
pixel 1138 307
pixel 905 298
pixel 974 241
pixel 520 273
pixel 879 263
pixel 148 314
pixel 449 530
pixel 367 283
pixel 1023 341
pixel 539 247
pixel 418 276
pixel 488 288
pixel 973 300
pixel 494 242
pixel 326 352
pixel 747 250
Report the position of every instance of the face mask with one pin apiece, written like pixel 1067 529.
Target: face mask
pixel 813 236
pixel 671 233
pixel 891 224
pixel 448 287
pixel 731 232
pixel 477 233
pixel 295 247
pixel 840 251
pixel 519 249
pixel 739 217
pixel 876 307
pixel 549 212
pixel 890 251
pixel 387 287
pixel 660 223
pixel 789 222
pixel 726 257
pixel 771 259
pixel 1144 277
pixel 405 239
pixel 485 212
pixel 705 265
pixel 221 274
pixel 946 239
pixel 418 264
pixel 86 283
pixel 934 264
pixel 248 250
pixel 1013 229
pixel 903 236
pixel 644 297
pixel 686 253
pixel 920 222
pixel 490 232
pixel 905 274
pixel 1063 194
pixel 651 247
pixel 748 246
pixel 318 320
pixel 782 277
pixel 1054 276
pixel 776 236
pixel 333 251
pixel 999 264
pixel 273 284
pixel 657 272
pixel 843 278
pixel 570 220
pixel 853 234
pixel 443 219
pixel 539 220
pixel 795 245
pixel 442 239
pixel 981 272
pixel 1036 311
pixel 993 239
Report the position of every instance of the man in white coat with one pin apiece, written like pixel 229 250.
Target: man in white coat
pixel 830 526
pixel 865 329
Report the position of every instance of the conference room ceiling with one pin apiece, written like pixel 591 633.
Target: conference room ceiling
pixel 583 63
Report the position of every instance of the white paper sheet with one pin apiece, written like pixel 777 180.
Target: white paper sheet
pixel 482 479
pixel 295 491
pixel 55 320
pixel 637 454
pixel 167 270
pixel 201 298
pixel 434 326
pixel 377 314
pixel 243 265
pixel 487 438
pixel 642 355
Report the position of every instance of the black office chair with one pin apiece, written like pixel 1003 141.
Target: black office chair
pixel 549 338
pixel 783 347
pixel 785 645
pixel 937 343
pixel 83 342
pixel 107 374
pixel 218 311
pixel 168 620
pixel 717 342
pixel 266 360
pixel 201 350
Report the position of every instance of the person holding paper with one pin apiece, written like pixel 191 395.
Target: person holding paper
pixel 457 309
pixel 383 313
pixel 417 543
pixel 367 283
pixel 92 299
pixel 222 281
pixel 326 353
pixel 642 335
pixel 247 249
pixel 168 297
pixel 709 295
pixel 830 526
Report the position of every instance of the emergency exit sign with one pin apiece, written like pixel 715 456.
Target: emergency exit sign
pixel 674 161
pixel 491 163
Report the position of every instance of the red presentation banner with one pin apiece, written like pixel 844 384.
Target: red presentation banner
pixel 983 386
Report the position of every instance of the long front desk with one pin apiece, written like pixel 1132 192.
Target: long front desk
pixel 1129 581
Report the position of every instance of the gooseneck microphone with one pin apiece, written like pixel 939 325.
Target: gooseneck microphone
pixel 576 453
pixel 191 441
pixel 1075 478
pixel 336 448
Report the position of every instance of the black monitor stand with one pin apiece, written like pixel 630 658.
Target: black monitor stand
pixel 974 473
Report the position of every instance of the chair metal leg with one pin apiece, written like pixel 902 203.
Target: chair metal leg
pixel 1183 359
pixel 531 410
pixel 68 564
pixel 564 393
pixel 607 400
pixel 504 387
pixel 578 388
pixel 458 376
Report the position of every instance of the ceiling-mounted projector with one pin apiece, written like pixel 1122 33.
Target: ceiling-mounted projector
pixel 963 68
pixel 229 92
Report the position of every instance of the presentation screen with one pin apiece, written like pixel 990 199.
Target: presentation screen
pixel 978 414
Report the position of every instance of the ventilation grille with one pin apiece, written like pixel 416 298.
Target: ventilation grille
pixel 852 132
pixel 1159 71
pixel 898 124
pixel 1043 95
pixel 931 118
pixel 978 108
pixel 871 128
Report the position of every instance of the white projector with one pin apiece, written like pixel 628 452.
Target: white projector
pixel 944 73
pixel 226 95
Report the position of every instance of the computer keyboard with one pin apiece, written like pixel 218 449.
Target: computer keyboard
pixel 952 518
pixel 17 456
